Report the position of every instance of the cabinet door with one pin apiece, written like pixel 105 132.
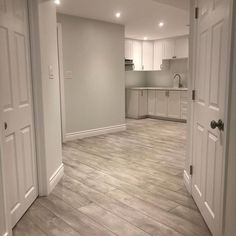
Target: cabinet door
pixel 169 48
pixel 128 49
pixel 158 55
pixel 132 103
pixel 181 47
pixel 184 105
pixel 151 102
pixel 161 103
pixel 142 103
pixel 174 104
pixel 137 54
pixel 148 51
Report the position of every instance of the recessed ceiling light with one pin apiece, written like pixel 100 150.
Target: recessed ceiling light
pixel 118 14
pixel 57 2
pixel 161 24
pixel 145 38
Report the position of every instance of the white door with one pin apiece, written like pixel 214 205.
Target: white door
pixel 174 104
pixel 148 51
pixel 210 82
pixel 151 102
pixel 161 103
pixel 16 113
pixel 137 54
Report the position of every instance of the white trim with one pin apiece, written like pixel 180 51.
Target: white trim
pixel 56 177
pixel 61 81
pixel 187 181
pixel 37 97
pixel 95 132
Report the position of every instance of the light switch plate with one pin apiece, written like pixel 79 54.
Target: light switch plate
pixel 68 74
pixel 50 72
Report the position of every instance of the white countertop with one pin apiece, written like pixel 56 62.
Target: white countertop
pixel 158 88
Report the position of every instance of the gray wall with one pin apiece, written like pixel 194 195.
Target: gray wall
pixel 94 52
pixel 135 78
pixel 158 78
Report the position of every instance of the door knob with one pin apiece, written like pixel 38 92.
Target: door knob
pixel 219 124
pixel 5 125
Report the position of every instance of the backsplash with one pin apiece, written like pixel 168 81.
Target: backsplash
pixel 159 78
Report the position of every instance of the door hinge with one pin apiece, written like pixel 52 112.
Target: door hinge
pixel 196 12
pixel 191 170
pixel 193 95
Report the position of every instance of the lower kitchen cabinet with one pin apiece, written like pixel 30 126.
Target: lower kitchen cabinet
pixel 169 104
pixel 136 103
pixel 174 105
pixel 151 102
pixel 161 103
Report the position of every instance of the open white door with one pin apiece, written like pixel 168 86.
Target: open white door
pixel 17 129
pixel 213 41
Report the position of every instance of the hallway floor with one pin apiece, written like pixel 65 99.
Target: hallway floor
pixel 128 183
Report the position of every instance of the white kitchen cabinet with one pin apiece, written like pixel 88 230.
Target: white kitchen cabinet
pixel 148 52
pixel 161 103
pixel 181 47
pixel 168 49
pixel 151 102
pixel 129 49
pixel 136 103
pixel 137 54
pixel 143 103
pixel 158 55
pixel 174 104
pixel 184 104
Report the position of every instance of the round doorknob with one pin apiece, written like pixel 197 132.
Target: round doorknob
pixel 219 124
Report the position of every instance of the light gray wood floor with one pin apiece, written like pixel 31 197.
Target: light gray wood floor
pixel 128 183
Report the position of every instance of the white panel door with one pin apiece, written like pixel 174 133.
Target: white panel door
pixel 211 78
pixel 161 103
pixel 158 55
pixel 128 49
pixel 148 53
pixel 174 104
pixel 181 47
pixel 17 128
pixel 137 54
pixel 151 102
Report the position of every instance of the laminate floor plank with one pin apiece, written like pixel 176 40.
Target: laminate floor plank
pixel 126 183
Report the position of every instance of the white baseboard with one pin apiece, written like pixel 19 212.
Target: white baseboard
pixel 56 177
pixel 187 181
pixel 94 132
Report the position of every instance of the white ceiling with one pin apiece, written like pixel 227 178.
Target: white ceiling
pixel 140 17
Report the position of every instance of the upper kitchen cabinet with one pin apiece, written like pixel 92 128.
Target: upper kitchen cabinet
pixel 129 49
pixel 175 48
pixel 158 55
pixel 137 54
pixel 148 52
pixel 182 47
pixel 168 49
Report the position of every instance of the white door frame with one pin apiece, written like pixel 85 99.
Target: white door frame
pixel 38 115
pixel 61 80
pixel 193 38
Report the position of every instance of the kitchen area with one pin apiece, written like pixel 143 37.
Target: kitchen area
pixel 157 78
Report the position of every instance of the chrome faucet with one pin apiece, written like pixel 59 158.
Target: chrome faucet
pixel 180 80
